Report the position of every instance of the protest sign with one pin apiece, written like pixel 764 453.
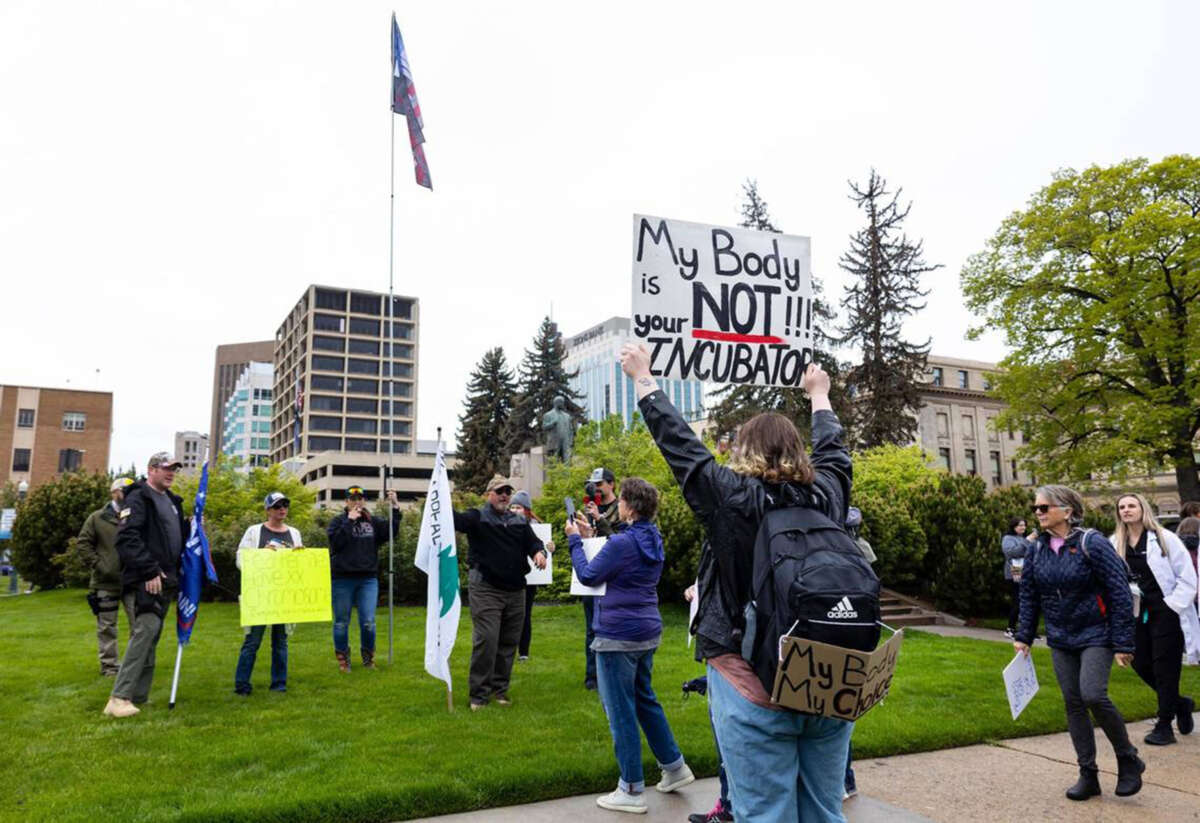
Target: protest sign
pixel 7 518
pixel 285 586
pixel 723 305
pixel 536 576
pixel 591 547
pixel 817 678
pixel 1020 682
pixel 693 610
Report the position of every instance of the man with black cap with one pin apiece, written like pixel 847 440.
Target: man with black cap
pixel 500 541
pixel 354 540
pixel 150 537
pixel 601 509
pixel 97 544
pixel 273 534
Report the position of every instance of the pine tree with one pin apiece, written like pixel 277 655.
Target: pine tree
pixel 886 268
pixel 483 423
pixel 541 378
pixel 737 404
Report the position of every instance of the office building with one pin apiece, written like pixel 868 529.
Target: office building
pixel 190 450
pixel 45 432
pixel 246 423
pixel 231 361
pixel 595 354
pixel 331 473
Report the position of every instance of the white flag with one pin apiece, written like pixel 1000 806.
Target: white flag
pixel 437 557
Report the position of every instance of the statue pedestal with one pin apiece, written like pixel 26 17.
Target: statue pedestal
pixel 527 471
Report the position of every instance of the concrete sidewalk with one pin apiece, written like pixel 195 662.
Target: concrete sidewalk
pixel 1020 780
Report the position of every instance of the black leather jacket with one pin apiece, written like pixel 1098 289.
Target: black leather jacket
pixel 142 542
pixel 731 505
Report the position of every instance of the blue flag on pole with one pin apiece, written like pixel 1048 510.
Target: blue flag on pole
pixel 196 561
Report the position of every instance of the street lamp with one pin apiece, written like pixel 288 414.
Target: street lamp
pixel 22 490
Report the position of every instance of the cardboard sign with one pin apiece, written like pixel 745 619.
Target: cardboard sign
pixel 591 548
pixel 536 576
pixel 722 305
pixel 285 586
pixel 817 678
pixel 1020 683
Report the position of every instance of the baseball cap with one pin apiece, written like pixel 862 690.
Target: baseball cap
pixel 275 498
pixel 164 460
pixel 355 491
pixel 120 484
pixel 498 481
pixel 521 498
pixel 601 474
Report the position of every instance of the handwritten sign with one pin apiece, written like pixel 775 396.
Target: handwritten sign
pixel 591 548
pixel 285 586
pixel 1020 682
pixel 536 576
pixel 723 305
pixel 817 678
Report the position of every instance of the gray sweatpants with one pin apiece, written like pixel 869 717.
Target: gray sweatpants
pixel 110 602
pixel 1083 679
pixel 497 616
pixel 137 669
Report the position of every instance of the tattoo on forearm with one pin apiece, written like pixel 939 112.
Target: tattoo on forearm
pixel 645 381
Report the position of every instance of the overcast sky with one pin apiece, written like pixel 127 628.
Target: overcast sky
pixel 174 175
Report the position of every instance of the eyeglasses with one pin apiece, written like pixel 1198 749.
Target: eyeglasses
pixel 1041 508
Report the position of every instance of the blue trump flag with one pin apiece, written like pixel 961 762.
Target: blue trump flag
pixel 196 559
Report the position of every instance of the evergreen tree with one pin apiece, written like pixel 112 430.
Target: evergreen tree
pixel 886 269
pixel 541 378
pixel 737 404
pixel 482 425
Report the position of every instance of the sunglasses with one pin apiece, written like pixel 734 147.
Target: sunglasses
pixel 280 506
pixel 1041 509
pixel 507 492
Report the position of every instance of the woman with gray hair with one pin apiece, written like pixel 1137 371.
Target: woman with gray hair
pixel 1074 578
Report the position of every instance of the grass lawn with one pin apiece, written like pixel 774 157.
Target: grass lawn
pixel 378 746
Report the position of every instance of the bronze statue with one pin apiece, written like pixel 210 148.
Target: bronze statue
pixel 559 430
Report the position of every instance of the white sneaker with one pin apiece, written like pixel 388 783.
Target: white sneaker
pixel 676 779
pixel 620 801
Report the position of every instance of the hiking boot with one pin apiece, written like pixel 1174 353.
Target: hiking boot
pixel 619 801
pixel 343 659
pixel 676 779
pixel 368 659
pixel 1161 734
pixel 1183 715
pixel 1129 775
pixel 119 707
pixel 1088 785
pixel 719 814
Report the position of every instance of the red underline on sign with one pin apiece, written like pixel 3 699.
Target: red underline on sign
pixel 731 337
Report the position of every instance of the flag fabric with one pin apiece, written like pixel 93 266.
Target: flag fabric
pixel 196 561
pixel 298 410
pixel 437 557
pixel 404 101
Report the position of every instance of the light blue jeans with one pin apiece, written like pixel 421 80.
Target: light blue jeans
pixel 629 701
pixel 781 765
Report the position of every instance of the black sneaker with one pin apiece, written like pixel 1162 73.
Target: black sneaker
pixel 719 814
pixel 1183 715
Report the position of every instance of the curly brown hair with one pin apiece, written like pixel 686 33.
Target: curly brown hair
pixel 640 496
pixel 768 446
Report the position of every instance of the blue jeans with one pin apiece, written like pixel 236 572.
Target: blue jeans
pixel 629 701
pixel 361 593
pixel 726 803
pixel 245 664
pixel 781 765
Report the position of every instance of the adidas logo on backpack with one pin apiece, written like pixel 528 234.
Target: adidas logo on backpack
pixel 842 610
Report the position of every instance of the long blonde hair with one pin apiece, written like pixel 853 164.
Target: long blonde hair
pixel 1149 524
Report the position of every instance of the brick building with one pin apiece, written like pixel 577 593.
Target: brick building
pixel 45 432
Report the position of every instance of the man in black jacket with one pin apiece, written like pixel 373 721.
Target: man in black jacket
pixel 354 540
pixel 150 544
pixel 500 543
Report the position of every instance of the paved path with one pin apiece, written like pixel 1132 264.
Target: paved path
pixel 1019 780
pixel 974 632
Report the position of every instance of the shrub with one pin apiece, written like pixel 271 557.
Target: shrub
pixel 51 515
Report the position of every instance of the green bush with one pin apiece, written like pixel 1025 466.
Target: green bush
pixel 51 515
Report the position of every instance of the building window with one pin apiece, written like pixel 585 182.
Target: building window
pixel 361 425
pixel 402 370
pixel 327 299
pixel 323 343
pixel 993 435
pixel 943 424
pixel 357 366
pixel 402 308
pixel 361 325
pixel 402 409
pixel 328 363
pixel 74 421
pixel 359 385
pixel 325 424
pixel 321 444
pixel 361 405
pixel 937 376
pixel 971 467
pixel 319 402
pixel 1013 465
pixel 20 460
pixel 963 382
pixel 359 444
pixel 607 399
pixel 364 347
pixel 968 424
pixel 987 382
pixel 944 458
pixel 328 322
pixel 69 460
pixel 402 427
pixel 994 462
pixel 364 303
pixel 321 382
pixel 402 331
pixel 24 418
pixel 402 389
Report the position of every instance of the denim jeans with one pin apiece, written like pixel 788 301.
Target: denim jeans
pixel 629 701
pixel 722 778
pixel 361 593
pixel 781 765
pixel 245 664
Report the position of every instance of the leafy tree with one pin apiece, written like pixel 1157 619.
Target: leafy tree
pixel 886 268
pixel 1096 286
pixel 482 425
pixel 51 515
pixel 737 404
pixel 885 480
pixel 541 378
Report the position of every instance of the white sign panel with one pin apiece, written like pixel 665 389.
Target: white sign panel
pixel 693 610
pixel 536 576
pixel 1021 683
pixel 7 518
pixel 591 548
pixel 722 305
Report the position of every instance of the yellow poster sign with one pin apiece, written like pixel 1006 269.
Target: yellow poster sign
pixel 285 586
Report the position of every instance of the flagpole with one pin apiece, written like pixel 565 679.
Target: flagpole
pixel 391 346
pixel 175 679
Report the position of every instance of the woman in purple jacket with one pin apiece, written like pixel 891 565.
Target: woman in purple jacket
pixel 628 629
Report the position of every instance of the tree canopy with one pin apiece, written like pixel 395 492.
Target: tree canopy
pixel 486 411
pixel 541 378
pixel 1095 286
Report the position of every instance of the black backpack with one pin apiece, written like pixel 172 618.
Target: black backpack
pixel 812 581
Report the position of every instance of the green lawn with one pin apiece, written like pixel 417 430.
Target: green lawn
pixel 377 746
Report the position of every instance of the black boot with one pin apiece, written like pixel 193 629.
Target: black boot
pixel 1088 785
pixel 1161 734
pixel 1183 715
pixel 1129 775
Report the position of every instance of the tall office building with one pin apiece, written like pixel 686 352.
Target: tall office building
pixel 231 360
pixel 45 432
pixel 595 353
pixel 246 423
pixel 190 449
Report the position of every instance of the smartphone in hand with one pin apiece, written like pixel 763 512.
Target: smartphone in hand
pixel 570 508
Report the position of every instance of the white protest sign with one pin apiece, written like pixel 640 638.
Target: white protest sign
pixel 723 305
pixel 591 548
pixel 536 576
pixel 693 610
pixel 1020 682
